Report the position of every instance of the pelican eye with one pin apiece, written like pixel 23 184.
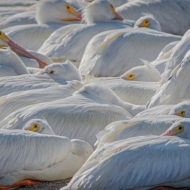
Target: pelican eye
pixel 130 76
pixel 52 72
pixel 145 23
pixel 181 113
pixel 35 126
pixel 179 129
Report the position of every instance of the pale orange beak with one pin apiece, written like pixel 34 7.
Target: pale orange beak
pixel 168 133
pixel 118 16
pixel 15 47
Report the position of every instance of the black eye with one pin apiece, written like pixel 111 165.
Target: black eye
pixel 35 126
pixel 180 128
pixel 68 7
pixel 51 72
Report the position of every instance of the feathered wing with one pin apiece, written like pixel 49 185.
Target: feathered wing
pixel 74 117
pixel 138 163
pixel 40 152
pixel 163 11
pixel 135 127
pixel 70 42
pixel 18 100
pixel 30 36
pixel 118 50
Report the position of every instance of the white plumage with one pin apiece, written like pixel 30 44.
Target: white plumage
pixel 146 72
pixel 134 92
pixel 49 76
pixel 28 17
pixel 11 63
pixel 141 126
pixel 139 162
pixel 173 91
pixel 113 53
pixel 33 156
pixel 51 15
pixel 80 116
pixel 18 100
pixel 173 15
pixel 69 42
pixel 179 52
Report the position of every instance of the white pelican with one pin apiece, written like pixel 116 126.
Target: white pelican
pixel 5 40
pixel 147 72
pixel 29 156
pixel 173 91
pixel 10 63
pixel 160 62
pixel 134 92
pixel 148 125
pixel 28 17
pixel 181 109
pixel 80 116
pixel 173 15
pixel 70 42
pixel 113 2
pixel 18 100
pixel 139 163
pixel 49 76
pixel 179 52
pixel 157 110
pixel 39 126
pixel 51 15
pixel 114 52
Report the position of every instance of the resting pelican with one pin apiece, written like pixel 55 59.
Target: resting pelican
pixel 51 15
pixel 38 126
pixel 5 40
pixel 80 116
pixel 181 109
pixel 31 157
pixel 140 126
pixel 139 163
pixel 134 92
pixel 28 17
pixel 147 72
pixel 179 52
pixel 172 91
pixel 18 100
pixel 157 110
pixel 10 63
pixel 163 10
pixel 70 42
pixel 50 76
pixel 122 48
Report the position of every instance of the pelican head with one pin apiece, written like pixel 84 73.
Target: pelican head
pixel 148 21
pixel 180 129
pixel 66 71
pixel 100 11
pixel 5 40
pixel 146 72
pixel 56 11
pixel 39 126
pixel 182 109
